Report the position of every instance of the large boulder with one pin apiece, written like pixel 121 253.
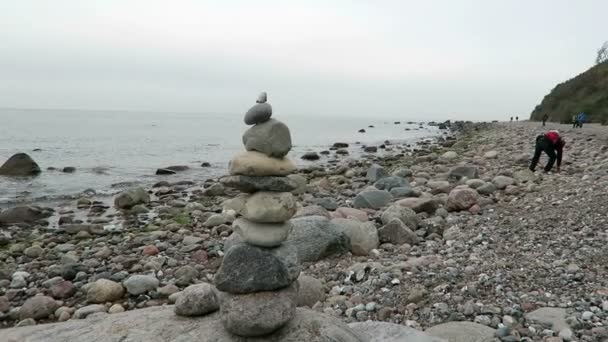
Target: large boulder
pixel 252 163
pixel 22 214
pixel 19 164
pixel 363 235
pixel 271 138
pixel 131 197
pixel 160 324
pixel 372 199
pixel 463 171
pixel 462 332
pixel 246 268
pixel 462 199
pixel 372 331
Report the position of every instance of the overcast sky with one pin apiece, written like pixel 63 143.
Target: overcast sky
pixel 432 59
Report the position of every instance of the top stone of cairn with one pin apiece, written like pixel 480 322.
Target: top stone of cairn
pixel 260 112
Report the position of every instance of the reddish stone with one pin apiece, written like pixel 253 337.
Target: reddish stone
pixel 200 256
pixel 150 250
pixel 5 306
pixel 62 290
pixel 476 209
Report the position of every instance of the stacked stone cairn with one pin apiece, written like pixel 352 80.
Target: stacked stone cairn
pixel 257 281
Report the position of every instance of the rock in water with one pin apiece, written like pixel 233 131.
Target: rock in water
pixel 253 163
pixel 248 269
pixel 268 207
pixel 160 324
pixel 262 98
pixel 271 138
pixel 197 300
pixel 19 164
pixel 260 112
pixel 262 234
pixel 22 214
pixel 260 313
pixel 131 197
pixel 252 184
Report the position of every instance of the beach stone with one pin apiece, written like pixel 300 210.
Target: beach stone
pixel 397 233
pixel 345 212
pixel 253 163
pixel 33 251
pixel 501 182
pixel 160 324
pixel 247 269
pixel 475 183
pixel 402 172
pixel 419 205
pixel 19 164
pixel 459 172
pixel 404 214
pixel 491 155
pixel 260 313
pixel 524 176
pixel 462 332
pixel 449 155
pixel 390 182
pixel 252 184
pixel 259 113
pixel 311 291
pixel 140 284
pixel 104 290
pixel 438 187
pixel 315 237
pixel 116 308
pixel 268 207
pixel 197 300
pixel 165 172
pixel 487 189
pixel 372 331
pixel 262 234
pixel 131 197
pixel 404 191
pixel 552 317
pixel 312 210
pixel 262 98
pixel 372 199
pixel 62 289
pixel 363 235
pixel 310 156
pixel 89 310
pixel 271 138
pixel 375 173
pixel 461 199
pixel 38 307
pixel 22 214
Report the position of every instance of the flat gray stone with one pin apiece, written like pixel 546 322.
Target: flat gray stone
pixel 372 199
pixel 271 138
pixel 160 324
pixel 462 332
pixel 390 182
pixel 260 112
pixel 389 332
pixel 262 234
pixel 252 183
pixel 552 317
pixel 197 300
pixel 375 173
pixel 468 171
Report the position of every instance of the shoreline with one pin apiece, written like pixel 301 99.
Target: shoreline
pixel 524 244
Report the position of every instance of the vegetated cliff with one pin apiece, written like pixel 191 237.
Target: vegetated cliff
pixel 587 92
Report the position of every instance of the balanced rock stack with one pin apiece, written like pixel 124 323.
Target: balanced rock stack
pixel 257 281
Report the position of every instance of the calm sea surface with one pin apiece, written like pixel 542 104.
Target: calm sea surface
pixel 110 147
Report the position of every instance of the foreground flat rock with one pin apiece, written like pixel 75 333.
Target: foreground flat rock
pixel 462 332
pixel 389 332
pixel 160 324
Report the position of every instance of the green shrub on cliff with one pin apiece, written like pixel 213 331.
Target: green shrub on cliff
pixel 587 92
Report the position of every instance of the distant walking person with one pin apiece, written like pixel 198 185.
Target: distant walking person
pixel 574 121
pixel 545 118
pixel 511 119
pixel 580 119
pixel 517 118
pixel 553 145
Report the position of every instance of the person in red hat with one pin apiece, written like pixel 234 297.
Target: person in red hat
pixel 553 145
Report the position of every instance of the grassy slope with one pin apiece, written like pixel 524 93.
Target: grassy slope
pixel 586 92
